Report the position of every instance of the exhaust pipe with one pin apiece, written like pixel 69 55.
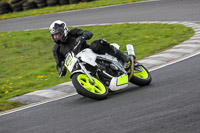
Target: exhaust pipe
pixel 130 50
pixel 131 53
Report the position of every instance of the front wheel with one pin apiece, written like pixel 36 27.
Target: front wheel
pixel 83 86
pixel 141 76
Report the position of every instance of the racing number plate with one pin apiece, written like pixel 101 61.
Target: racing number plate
pixel 70 61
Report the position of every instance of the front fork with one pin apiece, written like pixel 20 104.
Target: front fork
pixel 86 72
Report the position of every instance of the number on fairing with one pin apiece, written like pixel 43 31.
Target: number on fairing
pixel 70 61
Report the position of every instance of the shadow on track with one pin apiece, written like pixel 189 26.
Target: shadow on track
pixel 130 89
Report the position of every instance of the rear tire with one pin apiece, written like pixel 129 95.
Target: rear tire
pixel 98 91
pixel 141 77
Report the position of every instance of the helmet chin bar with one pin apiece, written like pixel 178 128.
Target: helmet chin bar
pixel 62 38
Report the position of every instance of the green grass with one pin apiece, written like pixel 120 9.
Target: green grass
pixel 81 5
pixel 27 63
pixel 1 1
pixel 9 105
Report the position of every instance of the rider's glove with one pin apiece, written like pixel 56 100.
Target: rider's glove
pixel 61 70
pixel 80 39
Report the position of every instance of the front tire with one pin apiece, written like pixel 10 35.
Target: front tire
pixel 141 76
pixel 97 91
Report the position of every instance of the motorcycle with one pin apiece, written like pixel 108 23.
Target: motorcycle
pixel 94 75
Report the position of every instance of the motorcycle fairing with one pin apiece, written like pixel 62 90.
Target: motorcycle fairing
pixel 88 56
pixel 70 61
pixel 118 83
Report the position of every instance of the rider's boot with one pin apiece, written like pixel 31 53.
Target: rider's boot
pixel 107 48
pixel 119 54
pixel 123 57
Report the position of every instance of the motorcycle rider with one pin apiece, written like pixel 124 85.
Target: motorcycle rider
pixel 66 40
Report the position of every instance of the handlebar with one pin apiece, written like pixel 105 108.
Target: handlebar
pixel 79 42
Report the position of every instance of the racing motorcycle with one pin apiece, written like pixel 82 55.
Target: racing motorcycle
pixel 94 75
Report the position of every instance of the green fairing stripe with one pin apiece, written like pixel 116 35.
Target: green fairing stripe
pixel 68 60
pixel 122 80
pixel 142 75
pixel 97 88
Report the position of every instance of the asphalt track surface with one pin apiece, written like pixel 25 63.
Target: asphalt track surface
pixel 169 105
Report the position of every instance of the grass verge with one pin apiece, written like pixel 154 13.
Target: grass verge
pixel 27 62
pixel 81 5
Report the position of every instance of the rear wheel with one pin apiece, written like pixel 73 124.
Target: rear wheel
pixel 141 76
pixel 83 86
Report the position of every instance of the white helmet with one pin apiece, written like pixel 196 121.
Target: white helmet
pixel 58 31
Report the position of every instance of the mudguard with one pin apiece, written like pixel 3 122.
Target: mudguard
pixel 77 71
